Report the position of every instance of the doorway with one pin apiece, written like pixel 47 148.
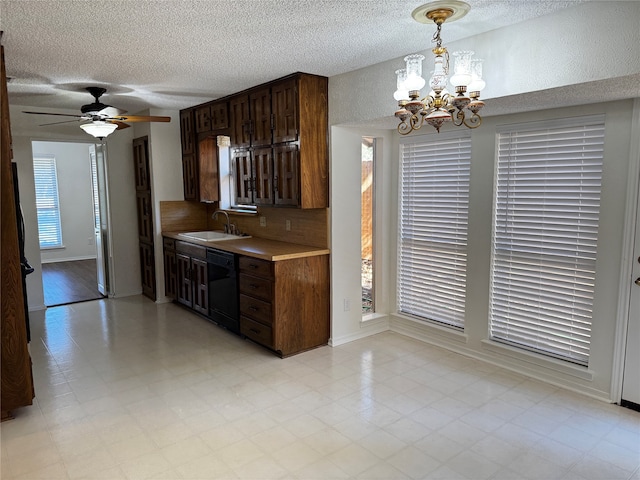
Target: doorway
pixel 631 375
pixel 68 204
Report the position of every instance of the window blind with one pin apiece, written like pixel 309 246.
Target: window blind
pixel 434 202
pixel 94 189
pixel 47 203
pixel 546 216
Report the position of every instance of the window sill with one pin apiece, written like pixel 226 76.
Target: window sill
pixel 538 360
pixel 55 247
pixel 372 317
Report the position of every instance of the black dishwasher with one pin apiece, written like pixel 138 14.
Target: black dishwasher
pixel 223 289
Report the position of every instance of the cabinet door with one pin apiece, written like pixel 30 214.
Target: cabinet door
pixel 187 132
pixel 203 119
pixel 260 109
pixel 285 111
pixel 286 178
pixel 242 176
pixel 220 116
pixel 240 131
pixel 183 268
pixel 208 177
pixel 141 163
pixel 145 216
pixel 200 286
pixel 190 177
pixel 148 270
pixel 170 273
pixel 262 176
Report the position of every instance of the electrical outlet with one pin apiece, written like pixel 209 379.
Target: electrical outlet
pixel 287 225
pixel 347 305
pixel 90 241
pixel 263 221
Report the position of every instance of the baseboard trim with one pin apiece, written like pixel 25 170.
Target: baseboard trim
pixel 68 259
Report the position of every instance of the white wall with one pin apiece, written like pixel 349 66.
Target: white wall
pixel 25 129
pixel 536 64
pixel 75 195
pixel 586 53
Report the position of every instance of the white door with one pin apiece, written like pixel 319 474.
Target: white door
pixel 101 214
pixel 631 376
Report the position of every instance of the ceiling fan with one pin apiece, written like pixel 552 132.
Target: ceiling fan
pixel 104 119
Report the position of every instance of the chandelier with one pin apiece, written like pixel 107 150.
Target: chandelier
pixel 440 106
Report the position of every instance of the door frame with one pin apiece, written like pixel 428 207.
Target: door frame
pixel 632 212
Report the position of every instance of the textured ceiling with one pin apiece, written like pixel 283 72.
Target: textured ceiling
pixel 177 53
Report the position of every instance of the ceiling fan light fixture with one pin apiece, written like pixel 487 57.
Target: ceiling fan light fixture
pixel 99 128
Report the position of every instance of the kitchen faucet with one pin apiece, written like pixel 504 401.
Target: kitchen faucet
pixel 229 227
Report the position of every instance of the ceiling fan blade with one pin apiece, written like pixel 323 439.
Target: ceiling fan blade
pixel 120 124
pixel 58 123
pixel 140 118
pixel 58 114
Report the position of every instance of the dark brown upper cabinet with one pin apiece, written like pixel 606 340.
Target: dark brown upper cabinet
pixel 212 116
pixel 279 146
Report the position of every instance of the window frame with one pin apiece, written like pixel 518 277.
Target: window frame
pixel 48 201
pixel 565 334
pixel 412 297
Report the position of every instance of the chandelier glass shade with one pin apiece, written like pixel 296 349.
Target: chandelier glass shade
pixel 439 105
pixel 99 128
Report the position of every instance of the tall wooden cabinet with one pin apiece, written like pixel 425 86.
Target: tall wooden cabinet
pixel 16 376
pixel 144 208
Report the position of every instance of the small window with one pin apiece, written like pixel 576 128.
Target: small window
pixel 228 187
pixel 47 201
pixel 367 225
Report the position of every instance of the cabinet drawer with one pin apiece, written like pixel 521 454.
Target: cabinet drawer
pixel 256 331
pixel 169 243
pixel 256 309
pixel 254 266
pixel 191 249
pixel 256 287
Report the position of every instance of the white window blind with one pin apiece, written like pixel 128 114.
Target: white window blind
pixel 94 189
pixel 47 203
pixel 547 210
pixel 434 200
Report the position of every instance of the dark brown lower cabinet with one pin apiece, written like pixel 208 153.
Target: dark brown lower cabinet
pixel 170 268
pixel 284 305
pixel 191 274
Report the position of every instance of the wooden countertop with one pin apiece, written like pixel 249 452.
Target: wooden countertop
pixel 262 248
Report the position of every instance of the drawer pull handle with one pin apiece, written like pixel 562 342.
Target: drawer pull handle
pixel 253 285
pixel 253 265
pixel 255 330
pixel 253 309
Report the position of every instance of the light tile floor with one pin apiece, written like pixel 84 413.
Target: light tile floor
pixel 127 389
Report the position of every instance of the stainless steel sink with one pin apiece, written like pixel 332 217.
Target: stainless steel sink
pixel 211 236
